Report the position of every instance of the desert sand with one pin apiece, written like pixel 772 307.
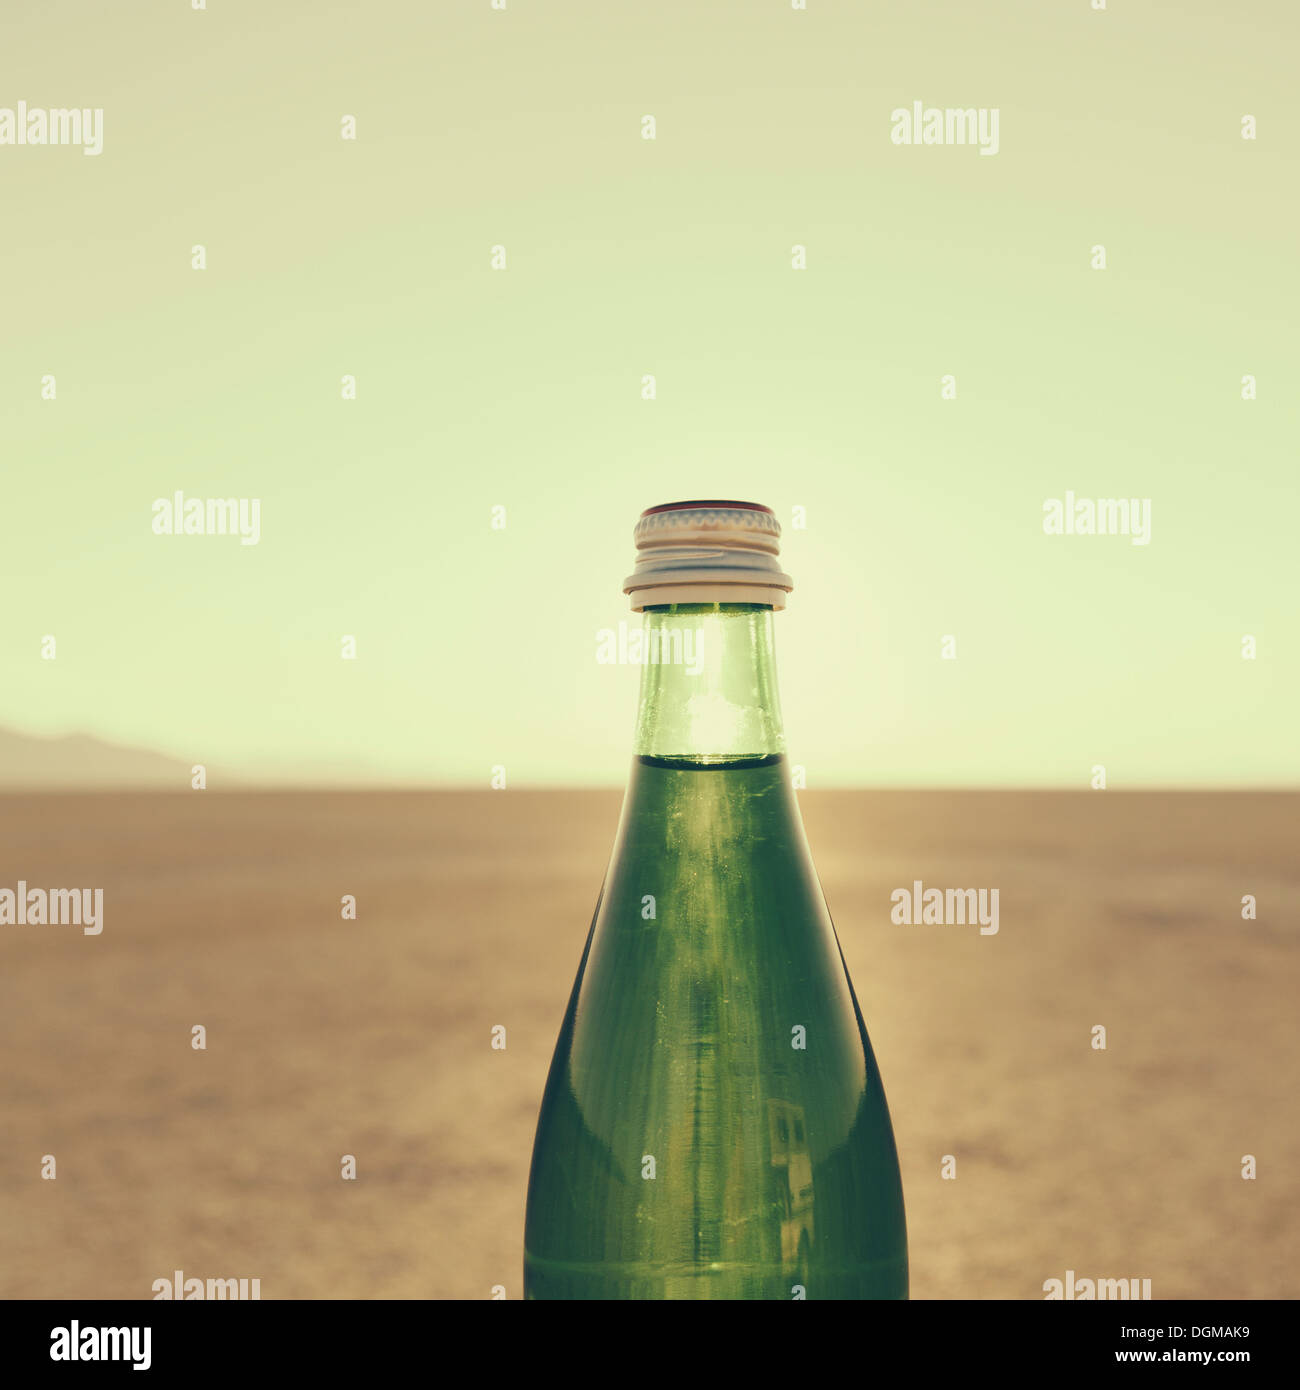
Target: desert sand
pixel 372 1037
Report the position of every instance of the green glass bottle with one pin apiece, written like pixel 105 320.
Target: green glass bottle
pixel 713 1124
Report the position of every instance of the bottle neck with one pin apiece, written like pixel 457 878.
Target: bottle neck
pixel 708 687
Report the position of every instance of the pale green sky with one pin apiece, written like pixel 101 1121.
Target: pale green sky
pixel 816 388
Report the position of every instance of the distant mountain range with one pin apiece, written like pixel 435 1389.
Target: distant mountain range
pixel 79 761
